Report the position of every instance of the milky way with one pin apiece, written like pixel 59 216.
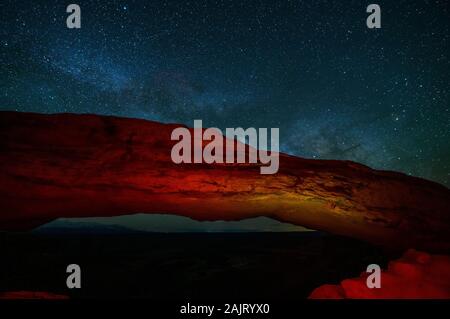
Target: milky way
pixel 336 89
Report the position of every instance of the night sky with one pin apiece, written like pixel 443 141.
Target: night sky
pixel 336 89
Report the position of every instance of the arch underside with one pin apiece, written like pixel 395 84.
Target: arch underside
pixel 87 165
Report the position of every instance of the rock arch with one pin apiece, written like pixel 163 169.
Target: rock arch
pixel 68 165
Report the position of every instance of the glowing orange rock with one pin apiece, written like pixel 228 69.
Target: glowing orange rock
pixel 416 275
pixel 68 165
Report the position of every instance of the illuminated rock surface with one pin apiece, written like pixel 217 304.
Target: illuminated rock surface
pixel 416 275
pixel 69 165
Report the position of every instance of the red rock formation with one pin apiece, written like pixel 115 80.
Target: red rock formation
pixel 416 275
pixel 70 165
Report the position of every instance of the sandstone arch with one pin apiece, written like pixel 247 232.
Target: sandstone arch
pixel 68 165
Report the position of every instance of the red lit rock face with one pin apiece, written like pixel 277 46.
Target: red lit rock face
pixel 416 275
pixel 31 295
pixel 70 165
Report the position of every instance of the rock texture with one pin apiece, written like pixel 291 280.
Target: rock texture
pixel 68 165
pixel 416 275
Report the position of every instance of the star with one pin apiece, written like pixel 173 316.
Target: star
pixel 312 69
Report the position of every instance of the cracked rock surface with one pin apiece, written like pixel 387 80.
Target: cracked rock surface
pixel 69 165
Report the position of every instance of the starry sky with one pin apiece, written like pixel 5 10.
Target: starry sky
pixel 336 89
